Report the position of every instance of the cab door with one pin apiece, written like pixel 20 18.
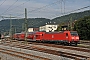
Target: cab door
pixel 66 36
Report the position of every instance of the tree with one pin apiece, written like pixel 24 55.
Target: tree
pixel 59 27
pixel 82 26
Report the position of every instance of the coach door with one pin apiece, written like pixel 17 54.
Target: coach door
pixel 38 36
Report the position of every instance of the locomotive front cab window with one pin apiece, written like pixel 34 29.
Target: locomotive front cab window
pixel 74 33
pixel 66 34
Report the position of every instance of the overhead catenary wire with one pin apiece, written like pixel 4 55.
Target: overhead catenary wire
pixel 9 7
pixel 7 11
pixel 2 3
pixel 77 9
pixel 64 8
pixel 73 11
pixel 64 13
pixel 19 5
pixel 39 8
pixel 36 8
pixel 42 8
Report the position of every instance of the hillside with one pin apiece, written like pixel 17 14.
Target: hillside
pixel 36 22
pixel 19 23
pixel 74 16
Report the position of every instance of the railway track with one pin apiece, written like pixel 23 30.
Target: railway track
pixel 84 43
pixel 60 46
pixel 36 47
pixel 64 47
pixel 22 55
pixel 59 53
pixel 17 56
pixel 45 55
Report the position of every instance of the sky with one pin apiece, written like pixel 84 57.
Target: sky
pixel 41 8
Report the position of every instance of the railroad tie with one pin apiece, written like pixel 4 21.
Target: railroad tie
pixel 88 58
pixel 25 58
pixel 7 52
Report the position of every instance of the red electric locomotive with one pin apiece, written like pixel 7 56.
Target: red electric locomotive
pixel 67 37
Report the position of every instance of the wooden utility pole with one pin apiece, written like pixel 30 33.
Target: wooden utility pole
pixel 26 25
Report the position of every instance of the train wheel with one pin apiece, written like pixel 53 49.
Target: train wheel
pixel 73 44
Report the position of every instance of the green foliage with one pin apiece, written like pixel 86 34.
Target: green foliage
pixel 83 27
pixel 59 27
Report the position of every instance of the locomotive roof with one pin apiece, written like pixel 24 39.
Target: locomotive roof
pixel 56 32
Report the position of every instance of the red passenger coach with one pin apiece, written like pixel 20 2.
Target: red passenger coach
pixel 16 35
pixel 21 36
pixel 30 35
pixel 39 36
